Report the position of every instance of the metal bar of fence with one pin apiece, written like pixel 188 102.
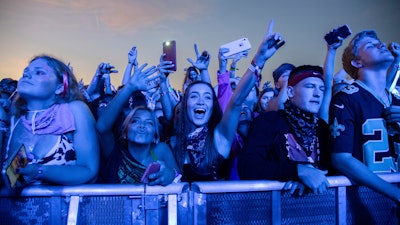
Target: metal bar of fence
pixel 195 199
pixel 101 190
pixel 266 185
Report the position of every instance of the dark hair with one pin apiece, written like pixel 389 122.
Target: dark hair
pixel 183 127
pixel 64 75
pixel 8 86
pixel 281 69
pixel 351 51
pixel 258 105
pixel 187 79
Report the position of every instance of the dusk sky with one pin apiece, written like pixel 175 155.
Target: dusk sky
pixel 87 32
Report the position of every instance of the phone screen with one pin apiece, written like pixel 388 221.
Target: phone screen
pixel 169 48
pixel 19 161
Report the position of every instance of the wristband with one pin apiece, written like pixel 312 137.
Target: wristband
pixel 178 177
pixel 254 64
pixel 255 69
pixel 233 69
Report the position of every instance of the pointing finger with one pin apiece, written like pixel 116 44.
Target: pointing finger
pixel 270 27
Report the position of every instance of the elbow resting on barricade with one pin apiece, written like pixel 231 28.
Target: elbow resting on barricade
pixel 218 202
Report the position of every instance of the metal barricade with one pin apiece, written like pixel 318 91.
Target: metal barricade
pixel 264 202
pixel 218 202
pixel 97 204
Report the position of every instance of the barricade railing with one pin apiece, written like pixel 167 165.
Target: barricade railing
pixel 218 202
pixel 264 202
pixel 97 204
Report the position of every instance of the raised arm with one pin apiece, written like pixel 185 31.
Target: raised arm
pixel 97 82
pixel 166 101
pixel 236 59
pixel 225 130
pixel 329 67
pixel 224 87
pixel 132 64
pixel 202 62
pixel 108 117
pixel 395 50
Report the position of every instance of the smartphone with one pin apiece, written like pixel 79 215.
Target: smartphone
pixel 169 48
pixel 18 160
pixel 333 36
pixel 240 45
pixel 153 167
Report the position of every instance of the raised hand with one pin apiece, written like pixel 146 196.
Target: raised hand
pixel 272 41
pixel 223 60
pixel 132 56
pixel 142 77
pixel 105 68
pixel 240 55
pixel 202 61
pixel 164 68
pixel 394 48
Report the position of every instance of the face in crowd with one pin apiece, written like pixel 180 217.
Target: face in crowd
pixel 141 127
pixel 200 104
pixel 307 94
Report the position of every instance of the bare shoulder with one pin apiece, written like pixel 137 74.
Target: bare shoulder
pixel 162 149
pixel 79 107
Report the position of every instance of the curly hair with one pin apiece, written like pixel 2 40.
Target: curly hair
pixel 184 126
pixel 64 75
pixel 350 53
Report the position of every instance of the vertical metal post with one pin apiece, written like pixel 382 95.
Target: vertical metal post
pixel 172 210
pixel 276 207
pixel 73 210
pixel 341 206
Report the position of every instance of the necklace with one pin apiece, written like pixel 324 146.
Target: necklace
pixel 387 97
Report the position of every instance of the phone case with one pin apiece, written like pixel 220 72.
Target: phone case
pixel 151 168
pixel 18 159
pixel 342 31
pixel 237 46
pixel 169 48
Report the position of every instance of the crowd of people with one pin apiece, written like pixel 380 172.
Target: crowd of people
pixel 311 124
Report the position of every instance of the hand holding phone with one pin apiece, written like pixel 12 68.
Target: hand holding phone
pixel 333 36
pixel 153 167
pixel 169 49
pixel 17 160
pixel 237 46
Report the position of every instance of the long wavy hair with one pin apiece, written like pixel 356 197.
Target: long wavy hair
pixel 184 126
pixel 64 75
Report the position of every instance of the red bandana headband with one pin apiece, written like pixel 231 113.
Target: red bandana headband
pixel 301 76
